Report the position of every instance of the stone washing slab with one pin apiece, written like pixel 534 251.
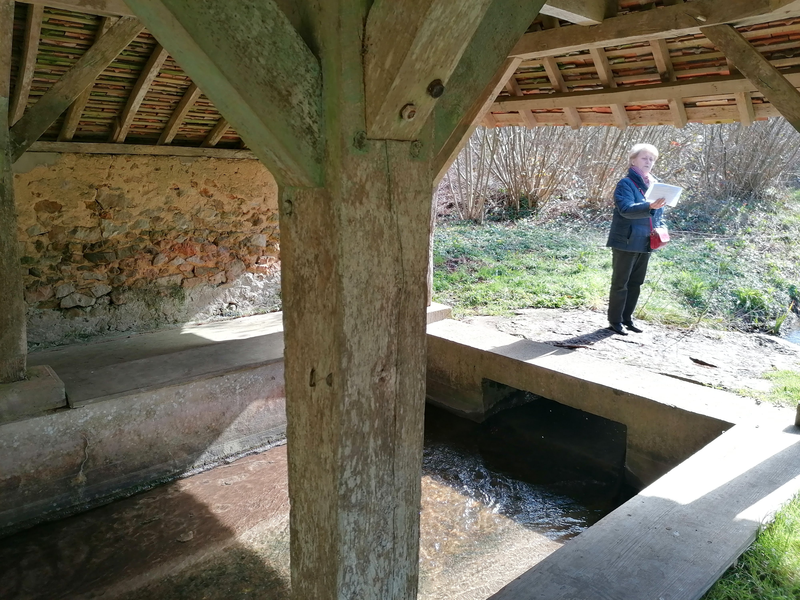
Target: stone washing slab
pixel 680 534
pixel 40 392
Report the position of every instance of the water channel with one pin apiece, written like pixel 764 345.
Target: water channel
pixel 500 496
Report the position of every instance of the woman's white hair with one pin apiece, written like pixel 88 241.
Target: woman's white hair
pixel 639 148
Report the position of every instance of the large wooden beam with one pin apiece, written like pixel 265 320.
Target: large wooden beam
pixel 13 340
pixel 150 71
pixel 766 78
pixel 479 77
pixel 179 114
pixel 75 110
pixel 58 98
pixel 661 92
pixel 141 150
pixel 270 91
pixel 643 26
pixel 580 12
pixel 412 48
pixel 106 8
pixel 33 27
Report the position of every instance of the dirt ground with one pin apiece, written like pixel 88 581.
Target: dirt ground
pixel 727 360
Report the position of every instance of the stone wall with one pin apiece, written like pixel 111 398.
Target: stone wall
pixel 131 243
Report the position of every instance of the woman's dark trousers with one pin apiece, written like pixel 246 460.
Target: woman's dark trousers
pixel 628 273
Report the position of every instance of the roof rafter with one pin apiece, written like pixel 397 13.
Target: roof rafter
pixel 557 81
pixel 514 90
pixel 271 92
pixel 745 105
pixel 664 22
pixel 607 78
pixel 123 123
pixel 83 73
pixel 765 77
pixel 216 133
pixel 667 73
pixel 179 114
pixel 75 110
pixel 33 27
pixel 406 52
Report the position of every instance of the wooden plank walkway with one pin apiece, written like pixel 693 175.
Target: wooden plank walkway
pixel 677 537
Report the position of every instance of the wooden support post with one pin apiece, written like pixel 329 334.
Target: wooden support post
pixel 354 260
pixel 75 110
pixel 83 73
pixel 354 219
pixel 13 341
pixel 765 77
pixel 33 27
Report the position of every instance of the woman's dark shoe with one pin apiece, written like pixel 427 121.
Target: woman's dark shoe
pixel 631 326
pixel 617 328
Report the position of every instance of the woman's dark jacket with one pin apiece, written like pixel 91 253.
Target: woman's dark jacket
pixel 630 225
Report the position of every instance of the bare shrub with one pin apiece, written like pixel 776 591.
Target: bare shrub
pixel 468 178
pixel 724 169
pixel 529 164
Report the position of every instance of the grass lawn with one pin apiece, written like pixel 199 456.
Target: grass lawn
pixel 744 283
pixel 770 568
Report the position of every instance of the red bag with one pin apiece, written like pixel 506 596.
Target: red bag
pixel 659 236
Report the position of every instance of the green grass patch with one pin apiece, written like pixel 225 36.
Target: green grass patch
pixel 745 283
pixel 495 269
pixel 770 568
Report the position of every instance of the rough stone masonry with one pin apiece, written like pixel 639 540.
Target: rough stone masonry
pixel 121 243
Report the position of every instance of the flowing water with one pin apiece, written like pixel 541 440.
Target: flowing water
pixel 499 497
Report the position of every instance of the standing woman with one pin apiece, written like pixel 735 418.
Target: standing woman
pixel 629 238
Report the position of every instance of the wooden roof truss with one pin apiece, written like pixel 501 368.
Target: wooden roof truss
pixel 699 61
pixel 595 62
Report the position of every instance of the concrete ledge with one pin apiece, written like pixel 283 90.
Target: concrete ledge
pixel 40 392
pixel 438 312
pixel 679 535
pixel 146 409
pixel 668 420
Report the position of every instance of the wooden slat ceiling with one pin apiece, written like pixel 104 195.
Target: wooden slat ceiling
pixel 656 81
pixel 65 36
pixel 143 98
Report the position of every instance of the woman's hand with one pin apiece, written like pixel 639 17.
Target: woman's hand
pixel 658 203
